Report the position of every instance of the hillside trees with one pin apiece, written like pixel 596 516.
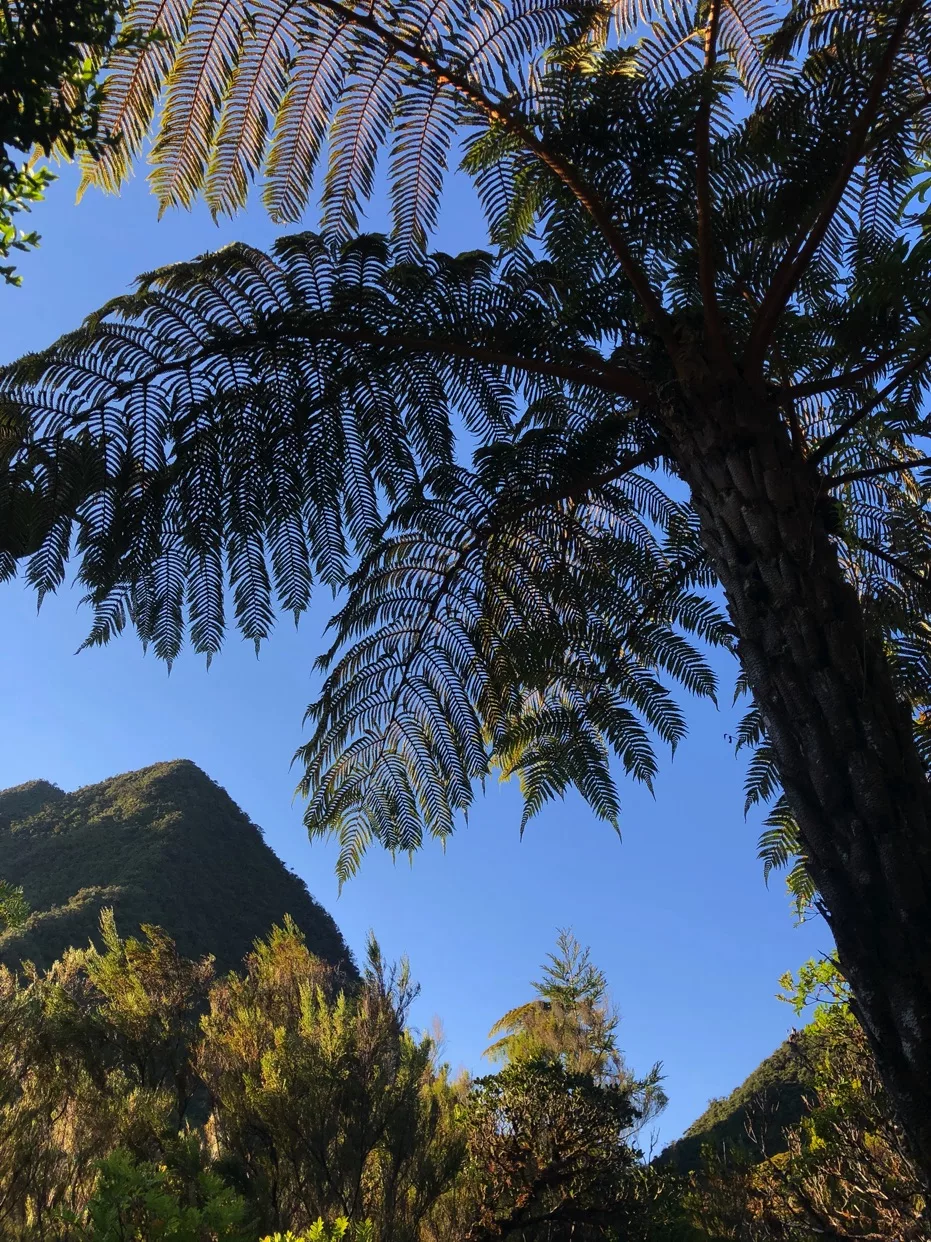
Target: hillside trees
pixel 95 1059
pixel 325 1105
pixel 14 908
pixel 145 844
pixel 844 1171
pixel 712 265
pixel 141 1097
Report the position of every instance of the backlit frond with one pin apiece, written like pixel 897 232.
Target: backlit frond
pixel 208 60
pixel 465 645
pixel 135 79
pixel 253 416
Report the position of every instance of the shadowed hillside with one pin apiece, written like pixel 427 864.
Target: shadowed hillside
pixel 163 845
pixel 766 1103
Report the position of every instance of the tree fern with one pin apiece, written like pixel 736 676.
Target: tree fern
pixel 269 419
pixel 714 263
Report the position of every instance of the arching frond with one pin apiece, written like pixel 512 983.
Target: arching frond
pixel 491 631
pixel 246 420
pixel 258 89
pixel 254 422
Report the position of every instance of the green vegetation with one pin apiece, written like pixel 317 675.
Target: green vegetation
pixel 570 1019
pixel 843 1171
pixel 164 845
pixel 14 908
pixel 554 1130
pixel 770 1099
pixel 711 260
pixel 755 1119
pixel 50 96
pixel 144 1098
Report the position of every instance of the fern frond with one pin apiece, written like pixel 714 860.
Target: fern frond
pixel 135 77
pixel 300 123
pixel 196 87
pixel 464 645
pixel 427 117
pixel 781 847
pixel 256 416
pixel 257 85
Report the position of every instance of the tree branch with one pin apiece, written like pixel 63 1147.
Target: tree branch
pixel 706 266
pixel 565 490
pixel 805 244
pixel 599 374
pixel 815 388
pixel 828 445
pixel 899 566
pixel 856 476
pixel 799 442
pixel 498 110
pixel 892 126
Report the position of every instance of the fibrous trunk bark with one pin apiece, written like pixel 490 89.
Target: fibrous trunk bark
pixel 842 737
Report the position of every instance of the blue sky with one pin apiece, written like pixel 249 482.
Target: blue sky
pixel 676 913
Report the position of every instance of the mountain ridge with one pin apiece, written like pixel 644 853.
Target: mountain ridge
pixel 755 1116
pixel 164 844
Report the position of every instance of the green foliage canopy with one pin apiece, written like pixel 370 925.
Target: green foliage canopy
pixel 325 1103
pixel 50 97
pixel 273 420
pixel 144 1098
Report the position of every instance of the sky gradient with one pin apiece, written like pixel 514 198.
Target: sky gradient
pixel 676 913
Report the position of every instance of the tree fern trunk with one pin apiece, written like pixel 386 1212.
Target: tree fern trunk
pixel 842 737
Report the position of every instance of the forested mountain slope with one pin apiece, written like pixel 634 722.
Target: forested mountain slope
pixel 757 1113
pixel 163 845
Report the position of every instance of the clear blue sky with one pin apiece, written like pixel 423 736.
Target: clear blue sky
pixel 676 914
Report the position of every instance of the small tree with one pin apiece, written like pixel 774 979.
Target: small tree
pixel 325 1106
pixel 572 1023
pixel 551 1135
pixel 149 1003
pixel 570 1019
pixel 549 1154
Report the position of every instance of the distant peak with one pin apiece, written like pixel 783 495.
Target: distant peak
pixel 171 847
pixel 170 769
pixel 22 801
